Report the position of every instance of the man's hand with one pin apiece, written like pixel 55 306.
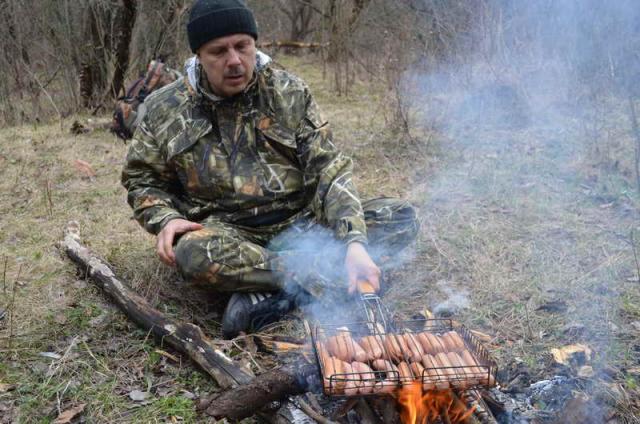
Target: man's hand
pixel 360 266
pixel 164 243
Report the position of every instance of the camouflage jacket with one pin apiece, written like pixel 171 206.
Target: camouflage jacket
pixel 261 158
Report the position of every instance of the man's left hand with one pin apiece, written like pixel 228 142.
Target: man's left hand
pixel 360 266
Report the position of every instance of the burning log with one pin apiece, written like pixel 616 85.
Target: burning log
pixel 418 407
pixel 275 385
pixel 482 413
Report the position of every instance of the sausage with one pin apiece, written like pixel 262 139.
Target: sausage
pixel 322 353
pixel 456 340
pixel 332 345
pixel 469 360
pixel 341 345
pixel 415 347
pixel 467 371
pixel 404 347
pixel 352 380
pixel 421 375
pixel 334 382
pixel 483 373
pixel 393 349
pixel 359 354
pixel 344 334
pixel 461 380
pixel 391 372
pixel 329 370
pixel 339 379
pixel 426 344
pixel 335 347
pixel 367 377
pixel 441 358
pixel 372 345
pixel 346 351
pixel 386 366
pixel 385 387
pixel 417 370
pixel 432 368
pixel 447 343
pixel 437 344
pixel 406 376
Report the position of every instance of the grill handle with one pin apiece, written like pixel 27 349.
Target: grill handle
pixel 365 287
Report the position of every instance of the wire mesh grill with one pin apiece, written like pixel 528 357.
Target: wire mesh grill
pixel 378 355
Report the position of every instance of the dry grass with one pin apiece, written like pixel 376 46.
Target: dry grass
pixel 504 221
pixel 508 229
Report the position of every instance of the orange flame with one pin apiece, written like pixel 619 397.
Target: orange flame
pixel 417 407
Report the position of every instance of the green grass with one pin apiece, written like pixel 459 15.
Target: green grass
pixel 631 306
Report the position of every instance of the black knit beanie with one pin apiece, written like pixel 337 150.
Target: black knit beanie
pixel 211 19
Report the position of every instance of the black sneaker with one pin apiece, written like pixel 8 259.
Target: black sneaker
pixel 249 312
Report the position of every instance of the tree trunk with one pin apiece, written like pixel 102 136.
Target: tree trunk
pixel 95 54
pixel 86 84
pixel 125 23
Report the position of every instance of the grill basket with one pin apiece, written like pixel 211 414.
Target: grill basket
pixel 461 372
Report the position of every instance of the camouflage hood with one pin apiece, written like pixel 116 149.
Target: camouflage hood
pixel 193 71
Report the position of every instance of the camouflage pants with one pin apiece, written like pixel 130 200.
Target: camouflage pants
pixel 236 258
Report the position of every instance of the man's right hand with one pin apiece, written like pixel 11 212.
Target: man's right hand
pixel 164 243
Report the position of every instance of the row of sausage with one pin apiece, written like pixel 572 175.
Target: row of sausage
pixel 380 363
pixel 441 371
pixel 407 346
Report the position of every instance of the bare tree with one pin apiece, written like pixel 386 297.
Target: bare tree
pixel 300 15
pixel 124 27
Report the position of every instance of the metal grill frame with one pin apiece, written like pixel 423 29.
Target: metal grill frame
pixel 435 378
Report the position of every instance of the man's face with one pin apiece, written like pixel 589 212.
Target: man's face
pixel 229 63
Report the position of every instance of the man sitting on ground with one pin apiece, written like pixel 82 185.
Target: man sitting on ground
pixel 233 163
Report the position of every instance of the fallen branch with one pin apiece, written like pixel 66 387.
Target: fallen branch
pixel 184 337
pixel 292 44
pixel 246 395
pixel 243 401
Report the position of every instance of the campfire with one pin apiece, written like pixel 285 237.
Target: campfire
pixel 424 364
pixel 420 407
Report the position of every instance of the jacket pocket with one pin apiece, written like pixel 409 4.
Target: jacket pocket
pixel 279 138
pixel 186 134
pixel 280 164
pixel 189 158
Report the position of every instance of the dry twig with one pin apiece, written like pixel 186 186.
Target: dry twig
pixel 312 412
pixel 12 308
